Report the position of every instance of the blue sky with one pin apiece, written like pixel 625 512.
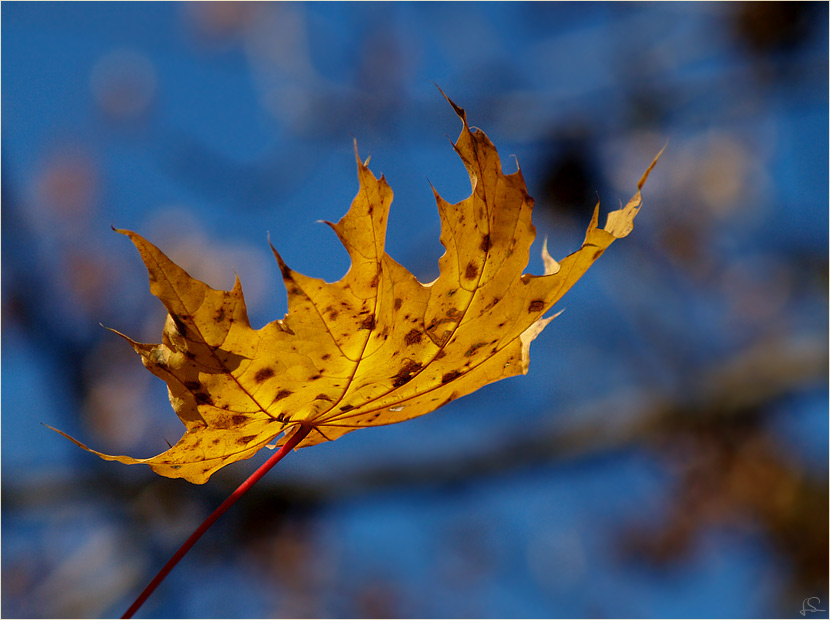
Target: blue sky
pixel 211 128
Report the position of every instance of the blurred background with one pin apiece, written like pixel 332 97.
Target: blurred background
pixel 666 455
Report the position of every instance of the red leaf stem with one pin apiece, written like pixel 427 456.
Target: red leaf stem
pixel 197 534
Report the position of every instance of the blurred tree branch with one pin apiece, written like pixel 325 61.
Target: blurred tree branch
pixel 741 386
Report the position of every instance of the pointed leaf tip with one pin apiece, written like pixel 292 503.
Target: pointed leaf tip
pixel 643 178
pixel 461 112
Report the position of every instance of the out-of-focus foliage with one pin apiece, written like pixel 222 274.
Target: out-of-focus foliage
pixel 663 400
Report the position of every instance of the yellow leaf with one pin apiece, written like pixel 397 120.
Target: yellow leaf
pixel 376 347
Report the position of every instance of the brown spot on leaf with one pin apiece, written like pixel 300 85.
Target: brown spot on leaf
pixel 314 377
pixel 413 337
pixel 243 441
pixel 333 315
pixel 325 356
pixel 368 323
pixel 398 303
pixel 485 243
pixel 374 282
pixel 282 394
pixel 536 305
pixel 193 386
pixel 220 315
pixel 597 254
pixel 493 302
pixel 262 374
pixel 471 351
pixel 238 420
pixel 346 407
pixel 405 373
pixel 440 354
pixel 203 398
pixel 450 376
pixel 180 326
pixel 471 271
pixel 323 397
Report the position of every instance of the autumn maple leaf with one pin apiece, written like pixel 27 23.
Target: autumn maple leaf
pixel 376 347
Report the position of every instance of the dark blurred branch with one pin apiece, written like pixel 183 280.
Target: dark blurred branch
pixel 739 387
